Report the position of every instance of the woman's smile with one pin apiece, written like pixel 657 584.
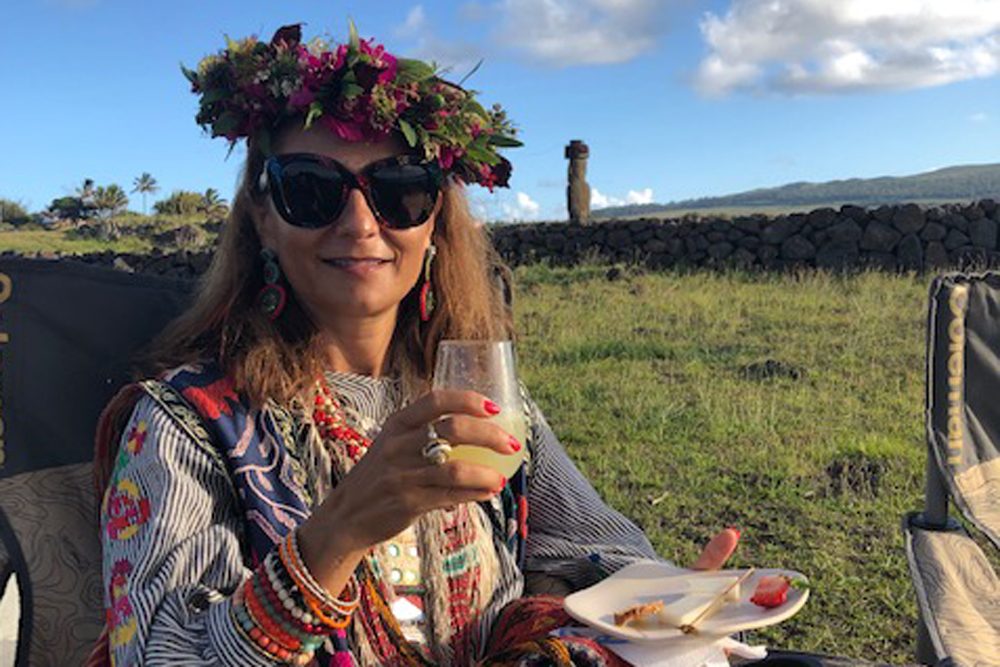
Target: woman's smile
pixel 357 266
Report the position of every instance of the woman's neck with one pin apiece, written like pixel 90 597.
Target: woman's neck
pixel 360 345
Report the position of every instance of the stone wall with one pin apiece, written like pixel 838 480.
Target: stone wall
pixel 894 238
pixel 904 237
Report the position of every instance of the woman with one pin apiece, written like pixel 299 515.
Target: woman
pixel 270 498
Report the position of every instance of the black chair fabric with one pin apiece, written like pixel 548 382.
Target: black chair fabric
pixel 68 334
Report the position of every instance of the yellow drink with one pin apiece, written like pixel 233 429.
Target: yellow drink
pixel 505 464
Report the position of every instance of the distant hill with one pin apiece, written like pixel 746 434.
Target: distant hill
pixel 948 184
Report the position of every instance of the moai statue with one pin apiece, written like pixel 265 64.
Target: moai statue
pixel 578 192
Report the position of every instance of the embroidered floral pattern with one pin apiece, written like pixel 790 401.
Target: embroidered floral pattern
pixel 126 509
pixel 136 438
pixel 120 615
pixel 212 400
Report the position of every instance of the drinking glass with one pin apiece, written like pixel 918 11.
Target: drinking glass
pixel 486 367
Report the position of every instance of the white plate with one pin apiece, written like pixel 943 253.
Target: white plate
pixel 646 582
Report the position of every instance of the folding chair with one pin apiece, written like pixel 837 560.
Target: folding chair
pixel 68 333
pixel 958 592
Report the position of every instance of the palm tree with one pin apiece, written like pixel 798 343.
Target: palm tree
pixel 145 184
pixel 86 191
pixel 85 195
pixel 214 206
pixel 110 200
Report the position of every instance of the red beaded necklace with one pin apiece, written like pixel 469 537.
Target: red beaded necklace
pixel 332 424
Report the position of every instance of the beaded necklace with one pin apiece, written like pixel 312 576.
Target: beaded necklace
pixel 332 424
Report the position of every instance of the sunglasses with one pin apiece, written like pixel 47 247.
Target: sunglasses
pixel 311 191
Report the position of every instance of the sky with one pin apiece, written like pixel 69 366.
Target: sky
pixel 676 99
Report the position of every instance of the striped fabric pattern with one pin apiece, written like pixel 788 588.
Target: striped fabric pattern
pixel 185 559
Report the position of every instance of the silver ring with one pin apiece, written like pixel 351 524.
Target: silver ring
pixel 436 451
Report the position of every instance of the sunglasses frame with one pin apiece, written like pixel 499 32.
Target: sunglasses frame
pixel 274 166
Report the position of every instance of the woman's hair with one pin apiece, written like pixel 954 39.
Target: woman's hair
pixel 281 359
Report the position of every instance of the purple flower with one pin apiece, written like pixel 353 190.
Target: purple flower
pixel 301 99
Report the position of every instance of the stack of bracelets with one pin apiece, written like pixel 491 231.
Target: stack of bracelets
pixel 284 612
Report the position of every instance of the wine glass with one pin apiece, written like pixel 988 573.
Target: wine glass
pixel 486 367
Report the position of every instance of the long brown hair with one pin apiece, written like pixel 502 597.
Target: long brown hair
pixel 279 360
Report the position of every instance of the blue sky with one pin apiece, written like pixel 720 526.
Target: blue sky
pixel 676 98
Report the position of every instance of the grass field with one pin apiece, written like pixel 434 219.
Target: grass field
pixel 645 380
pixel 30 241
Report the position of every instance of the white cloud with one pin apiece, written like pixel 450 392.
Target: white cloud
pixel 415 23
pixel 458 57
pixel 644 196
pixel 600 200
pixel 979 117
pixel 527 206
pixel 505 206
pixel 580 32
pixel 793 46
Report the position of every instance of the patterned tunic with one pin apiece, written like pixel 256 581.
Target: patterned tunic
pixel 171 532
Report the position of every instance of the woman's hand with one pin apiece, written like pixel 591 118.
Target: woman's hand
pixel 718 550
pixel 393 485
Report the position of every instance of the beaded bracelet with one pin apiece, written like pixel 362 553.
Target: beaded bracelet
pixel 314 587
pixel 321 603
pixel 265 618
pixel 285 602
pixel 298 635
pixel 251 622
pixel 252 633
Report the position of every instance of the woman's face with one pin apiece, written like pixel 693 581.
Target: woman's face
pixel 354 267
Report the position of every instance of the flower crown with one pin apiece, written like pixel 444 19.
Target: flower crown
pixel 357 90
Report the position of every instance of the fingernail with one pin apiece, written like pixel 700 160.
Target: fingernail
pixel 514 444
pixel 503 483
pixel 491 407
pixel 736 530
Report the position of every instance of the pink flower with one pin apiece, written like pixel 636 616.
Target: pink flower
pixel 389 73
pixel 448 155
pixel 341 56
pixel 346 130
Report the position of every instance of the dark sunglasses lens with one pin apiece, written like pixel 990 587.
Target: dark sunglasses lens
pixel 404 194
pixel 313 193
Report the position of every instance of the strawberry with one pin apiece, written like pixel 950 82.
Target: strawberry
pixel 771 591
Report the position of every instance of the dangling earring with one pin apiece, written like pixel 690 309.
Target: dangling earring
pixel 426 291
pixel 272 297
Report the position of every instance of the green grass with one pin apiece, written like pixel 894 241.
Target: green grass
pixel 30 241
pixel 642 378
pixel 66 242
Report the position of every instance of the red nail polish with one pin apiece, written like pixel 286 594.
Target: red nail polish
pixel 514 444
pixel 736 530
pixel 503 483
pixel 491 407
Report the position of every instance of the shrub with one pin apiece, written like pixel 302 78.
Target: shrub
pixel 13 212
pixel 180 202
